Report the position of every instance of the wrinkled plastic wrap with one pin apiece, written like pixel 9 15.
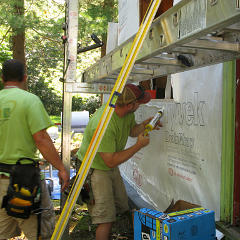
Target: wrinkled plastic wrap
pixel 183 159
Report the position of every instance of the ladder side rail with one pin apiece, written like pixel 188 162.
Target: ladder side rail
pixel 70 56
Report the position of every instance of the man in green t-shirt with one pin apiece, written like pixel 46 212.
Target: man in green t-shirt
pixel 106 183
pixel 23 124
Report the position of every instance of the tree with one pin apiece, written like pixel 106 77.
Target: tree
pixel 41 28
pixel 18 37
pixel 43 43
pixel 12 16
pixel 94 17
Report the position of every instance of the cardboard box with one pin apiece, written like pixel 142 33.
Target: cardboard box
pixel 180 205
pixel 191 224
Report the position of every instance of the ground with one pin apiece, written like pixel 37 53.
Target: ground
pixel 80 226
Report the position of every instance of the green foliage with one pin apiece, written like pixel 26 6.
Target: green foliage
pixel 51 101
pixel 95 15
pixel 56 119
pixel 43 20
pixel 5 53
pixel 89 104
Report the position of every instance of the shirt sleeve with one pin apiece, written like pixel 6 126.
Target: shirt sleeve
pixel 38 119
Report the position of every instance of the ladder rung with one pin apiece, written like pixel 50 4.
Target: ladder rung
pixel 214 45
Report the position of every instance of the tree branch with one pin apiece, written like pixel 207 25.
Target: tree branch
pixel 50 39
pixel 5 35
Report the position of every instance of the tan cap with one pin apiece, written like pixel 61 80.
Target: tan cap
pixel 132 93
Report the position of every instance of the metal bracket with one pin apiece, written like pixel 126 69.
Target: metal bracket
pixel 98 43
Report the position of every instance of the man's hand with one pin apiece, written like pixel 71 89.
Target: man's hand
pixel 138 128
pixel 145 122
pixel 63 179
pixel 158 125
pixel 142 140
pixel 49 152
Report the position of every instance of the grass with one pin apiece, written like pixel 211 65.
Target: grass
pixel 80 226
pixel 56 119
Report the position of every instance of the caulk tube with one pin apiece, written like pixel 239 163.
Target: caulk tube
pixel 150 126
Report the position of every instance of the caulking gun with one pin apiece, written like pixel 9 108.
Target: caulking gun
pixel 149 127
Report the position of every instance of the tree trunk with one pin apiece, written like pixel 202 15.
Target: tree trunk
pixel 18 37
pixel 107 4
pixel 19 47
pixel 104 47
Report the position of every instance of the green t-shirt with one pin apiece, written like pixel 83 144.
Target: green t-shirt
pixel 21 115
pixel 114 139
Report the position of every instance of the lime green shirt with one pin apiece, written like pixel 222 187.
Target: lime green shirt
pixel 21 115
pixel 114 139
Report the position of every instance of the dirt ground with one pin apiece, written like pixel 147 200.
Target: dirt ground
pixel 80 226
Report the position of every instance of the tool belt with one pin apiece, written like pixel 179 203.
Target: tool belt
pixel 24 191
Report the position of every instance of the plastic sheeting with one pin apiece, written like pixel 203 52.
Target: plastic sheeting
pixel 183 159
pixel 128 19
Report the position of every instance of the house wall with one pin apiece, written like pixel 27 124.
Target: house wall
pixel 183 159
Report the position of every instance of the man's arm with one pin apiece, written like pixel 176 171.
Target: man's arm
pixel 46 147
pixel 138 128
pixel 114 159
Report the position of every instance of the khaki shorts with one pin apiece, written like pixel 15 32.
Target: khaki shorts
pixel 109 194
pixel 11 226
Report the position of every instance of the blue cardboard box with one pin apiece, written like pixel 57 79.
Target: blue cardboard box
pixel 190 224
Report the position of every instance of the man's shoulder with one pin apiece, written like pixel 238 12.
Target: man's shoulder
pixel 28 95
pixel 98 113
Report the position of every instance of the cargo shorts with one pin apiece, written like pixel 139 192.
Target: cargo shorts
pixel 12 227
pixel 110 197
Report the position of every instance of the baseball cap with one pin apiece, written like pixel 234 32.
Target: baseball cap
pixel 132 93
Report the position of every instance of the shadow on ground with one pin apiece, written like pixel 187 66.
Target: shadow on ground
pixel 80 227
